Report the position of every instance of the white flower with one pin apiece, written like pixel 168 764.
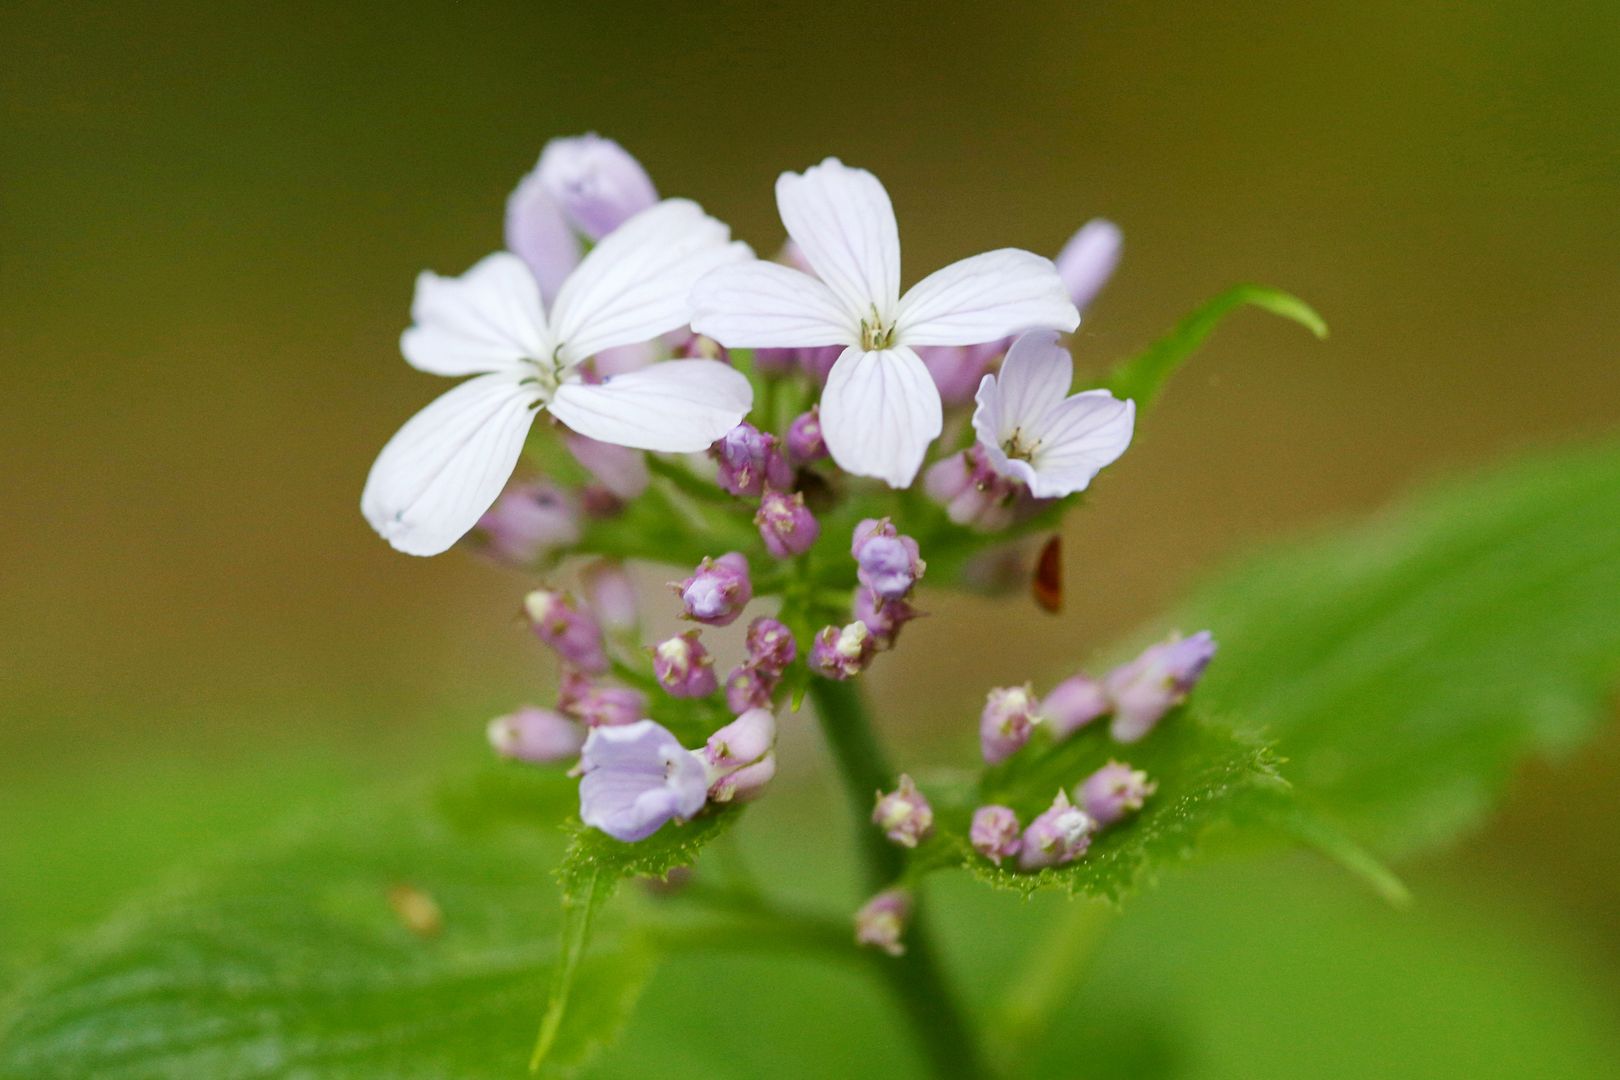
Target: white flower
pixel 880 409
pixel 445 467
pixel 1034 434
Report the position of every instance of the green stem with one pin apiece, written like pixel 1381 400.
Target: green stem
pixel 942 1029
pixel 1055 966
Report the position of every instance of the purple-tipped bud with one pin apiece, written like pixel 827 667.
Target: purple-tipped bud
pixel 606 706
pixel 786 524
pixel 610 595
pixel 1113 791
pixel 973 494
pixel 538 736
pixel 596 182
pixel 881 922
pixel 804 441
pixel 743 741
pixel 889 564
pixel 904 814
pixel 635 778
pixel 750 462
pixel 1009 718
pixel 842 652
pixel 1146 688
pixel 745 784
pixel 571 633
pixel 883 618
pixel 749 686
pixel 770 644
pixel 1072 704
pixel 619 469
pixel 718 591
pixel 1060 835
pixel 995 833
pixel 683 666
pixel 538 232
pixel 528 521
pixel 1088 260
pixel 958 369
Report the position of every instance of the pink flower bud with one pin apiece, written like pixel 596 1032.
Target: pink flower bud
pixel 535 735
pixel 745 784
pixel 606 706
pixel 718 591
pixel 1008 720
pixel 572 634
pixel 743 741
pixel 1113 791
pixel 610 595
pixel 1146 688
pixel 619 469
pixel 881 922
pixel 804 441
pixel 904 814
pixel 750 462
pixel 1060 835
pixel 683 667
pixel 883 618
pixel 889 564
pixel 538 232
pixel 842 653
pixel 786 524
pixel 1088 260
pixel 750 686
pixel 770 644
pixel 995 833
pixel 1074 703
pixel 598 185
pixel 529 521
pixel 957 369
pixel 973 494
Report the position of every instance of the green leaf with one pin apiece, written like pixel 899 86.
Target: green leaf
pixel 1141 377
pixel 1405 667
pixel 376 942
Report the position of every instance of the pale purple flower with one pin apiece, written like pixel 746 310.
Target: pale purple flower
pixel 770 644
pixel 572 634
pixel 528 521
pixel 1113 791
pixel 1060 835
pixel 804 441
pixel 535 735
pixel 621 471
pixel 1034 434
pixel 439 473
pixel 750 462
pixel 636 778
pixel 842 652
pixel 1088 260
pixel 598 185
pixel 995 833
pixel 786 524
pixel 889 564
pixel 683 666
pixel 880 409
pixel 971 491
pixel 881 922
pixel 1009 718
pixel 1074 703
pixel 610 595
pixel 904 814
pixel 882 618
pixel 1146 688
pixel 717 591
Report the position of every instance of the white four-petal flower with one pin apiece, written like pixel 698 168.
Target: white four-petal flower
pixel 1033 433
pixel 880 408
pixel 445 467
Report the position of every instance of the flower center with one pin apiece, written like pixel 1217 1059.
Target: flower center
pixel 547 375
pixel 874 334
pixel 1019 447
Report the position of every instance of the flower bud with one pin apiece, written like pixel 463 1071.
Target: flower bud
pixel 528 521
pixel 1088 260
pixel 1072 704
pixel 749 686
pixel 1113 791
pixel 683 666
pixel 750 462
pixel 538 232
pixel 882 921
pixel 786 524
pixel 904 814
pixel 1008 720
pixel 535 735
pixel 804 441
pixel 973 494
pixel 889 564
pixel 572 634
pixel 610 595
pixel 958 369
pixel 842 653
pixel 606 706
pixel 743 741
pixel 770 644
pixel 718 591
pixel 619 469
pixel 744 784
pixel 598 185
pixel 701 347
pixel 1146 688
pixel 995 833
pixel 1060 835
pixel 883 618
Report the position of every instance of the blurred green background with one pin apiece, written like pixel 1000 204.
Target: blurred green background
pixel 210 218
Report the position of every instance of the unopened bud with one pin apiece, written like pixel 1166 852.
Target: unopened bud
pixel 1008 720
pixel 958 369
pixel 750 462
pixel 842 652
pixel 995 833
pixel 535 735
pixel 883 618
pixel 718 591
pixel 1088 260
pixel 610 595
pixel 770 644
pixel 889 564
pixel 1072 704
pixel 881 922
pixel 1060 835
pixel 904 814
pixel 786 524
pixel 683 667
pixel 971 491
pixel 1146 688
pixel 750 686
pixel 606 706
pixel 571 633
pixel 596 182
pixel 619 469
pixel 804 441
pixel 744 784
pixel 1113 791
pixel 528 521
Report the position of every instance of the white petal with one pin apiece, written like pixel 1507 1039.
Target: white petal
pixel 762 305
pixel 843 222
pixel 487 319
pixel 636 283
pixel 879 412
pixel 446 466
pixel 677 407
pixel 986 297
pixel 1034 379
pixel 1078 439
